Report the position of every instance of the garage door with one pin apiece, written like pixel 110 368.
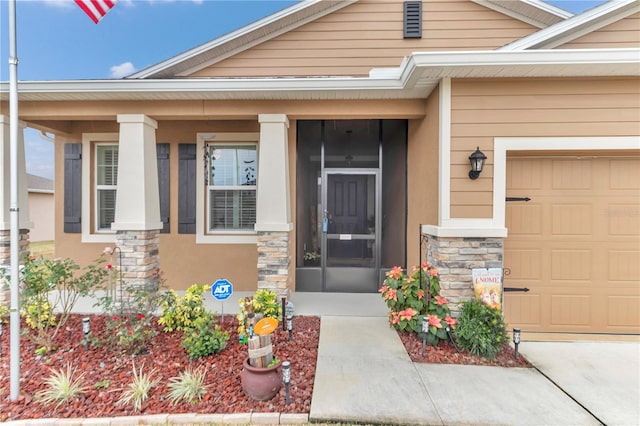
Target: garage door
pixel 575 245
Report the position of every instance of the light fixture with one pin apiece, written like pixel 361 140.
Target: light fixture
pixel 289 309
pixel 86 329
pixel 516 341
pixel 477 163
pixel 425 330
pixel 286 378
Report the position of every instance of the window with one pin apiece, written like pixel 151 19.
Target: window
pixel 231 173
pixel 106 184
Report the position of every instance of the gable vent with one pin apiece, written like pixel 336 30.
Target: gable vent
pixel 412 19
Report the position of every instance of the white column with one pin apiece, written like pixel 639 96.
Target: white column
pixel 273 204
pixel 137 197
pixel 5 178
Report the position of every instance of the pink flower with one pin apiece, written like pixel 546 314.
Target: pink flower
pixel 420 294
pixel 395 273
pixel 391 294
pixel 434 321
pixel 426 265
pixel 408 313
pixel 451 321
pixel 108 250
pixel 140 316
pixel 441 300
pixel 109 266
pixel 115 318
pixel 409 280
pixel 433 272
pixel 130 332
pixel 383 289
pixel 394 318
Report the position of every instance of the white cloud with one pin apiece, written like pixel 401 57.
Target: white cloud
pixel 59 3
pixel 122 70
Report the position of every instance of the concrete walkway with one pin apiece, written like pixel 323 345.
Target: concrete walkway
pixel 364 374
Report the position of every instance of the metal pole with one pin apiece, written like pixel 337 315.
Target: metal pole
pixel 15 230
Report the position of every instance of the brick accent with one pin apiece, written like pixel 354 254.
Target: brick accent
pixel 138 260
pixel 274 258
pixel 5 261
pixel 455 257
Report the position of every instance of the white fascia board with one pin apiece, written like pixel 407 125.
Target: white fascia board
pixel 533 12
pixel 529 57
pixel 579 25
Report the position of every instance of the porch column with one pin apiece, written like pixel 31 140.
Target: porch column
pixel 137 216
pixel 5 203
pixel 273 215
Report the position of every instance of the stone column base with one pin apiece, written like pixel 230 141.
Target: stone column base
pixel 139 263
pixel 5 261
pixel 455 257
pixel 273 261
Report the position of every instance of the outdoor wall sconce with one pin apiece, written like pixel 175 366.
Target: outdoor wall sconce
pixel 286 378
pixel 477 163
pixel 516 341
pixel 86 329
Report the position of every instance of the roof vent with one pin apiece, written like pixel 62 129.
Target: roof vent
pixel 412 19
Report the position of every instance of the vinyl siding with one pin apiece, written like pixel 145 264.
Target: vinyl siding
pixel 369 34
pixel 622 34
pixel 483 110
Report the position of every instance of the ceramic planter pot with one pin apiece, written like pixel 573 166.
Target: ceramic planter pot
pixel 260 384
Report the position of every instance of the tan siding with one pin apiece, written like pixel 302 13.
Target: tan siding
pixel 624 33
pixel 422 174
pixel 485 109
pixel 369 34
pixel 41 214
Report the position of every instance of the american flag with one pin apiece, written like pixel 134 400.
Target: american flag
pixel 96 9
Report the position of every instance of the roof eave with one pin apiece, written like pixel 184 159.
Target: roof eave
pixel 533 12
pixel 414 79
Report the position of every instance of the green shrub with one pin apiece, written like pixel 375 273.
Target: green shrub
pixel 179 313
pixel 204 337
pixel 189 386
pixel 481 329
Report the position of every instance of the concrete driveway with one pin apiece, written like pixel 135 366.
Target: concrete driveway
pixel 603 377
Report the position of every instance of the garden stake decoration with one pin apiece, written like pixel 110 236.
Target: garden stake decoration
pixel 516 341
pixel 284 304
pixel 86 329
pixel 286 378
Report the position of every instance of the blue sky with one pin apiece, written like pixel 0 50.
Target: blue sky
pixel 57 41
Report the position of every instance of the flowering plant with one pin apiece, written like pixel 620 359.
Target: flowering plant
pixel 405 296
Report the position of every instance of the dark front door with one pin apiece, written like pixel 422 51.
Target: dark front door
pixel 351 252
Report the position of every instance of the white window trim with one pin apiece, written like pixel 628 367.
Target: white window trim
pixel 91 235
pixel 97 188
pixel 218 237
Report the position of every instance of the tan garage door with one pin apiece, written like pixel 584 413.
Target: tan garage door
pixel 575 245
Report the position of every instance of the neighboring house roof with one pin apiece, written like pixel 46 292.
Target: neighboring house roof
pixel 575 27
pixel 533 12
pixel 39 184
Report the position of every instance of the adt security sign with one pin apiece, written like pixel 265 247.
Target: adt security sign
pixel 222 289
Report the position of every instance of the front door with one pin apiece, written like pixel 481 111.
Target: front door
pixel 350 230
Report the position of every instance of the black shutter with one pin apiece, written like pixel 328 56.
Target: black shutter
pixel 162 150
pixel 187 188
pixel 72 187
pixel 412 19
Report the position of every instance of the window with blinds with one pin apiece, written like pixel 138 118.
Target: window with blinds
pixel 106 183
pixel 231 187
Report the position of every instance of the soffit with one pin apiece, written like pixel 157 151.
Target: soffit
pixel 414 79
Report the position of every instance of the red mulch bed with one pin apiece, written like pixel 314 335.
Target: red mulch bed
pixel 169 358
pixel 445 353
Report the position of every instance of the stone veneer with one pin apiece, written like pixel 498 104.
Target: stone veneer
pixel 455 257
pixel 273 261
pixel 5 261
pixel 138 260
